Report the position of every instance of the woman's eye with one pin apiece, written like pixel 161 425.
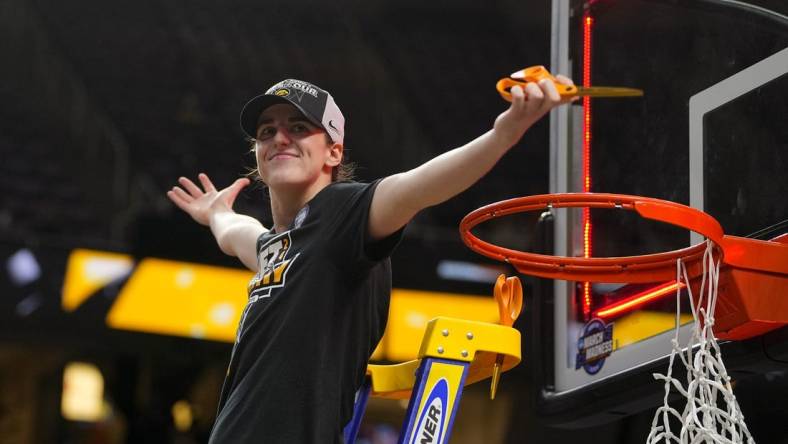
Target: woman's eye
pixel 265 133
pixel 298 128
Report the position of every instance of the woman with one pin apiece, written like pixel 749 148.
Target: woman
pixel 319 300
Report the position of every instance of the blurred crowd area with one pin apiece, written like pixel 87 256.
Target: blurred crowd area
pixel 104 105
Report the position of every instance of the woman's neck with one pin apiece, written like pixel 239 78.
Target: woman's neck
pixel 286 202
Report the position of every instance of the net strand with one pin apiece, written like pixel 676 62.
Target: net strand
pixel 711 413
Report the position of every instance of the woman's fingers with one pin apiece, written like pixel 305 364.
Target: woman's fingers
pixel 241 184
pixel 564 80
pixel 186 199
pixel 233 190
pixel 206 182
pixel 533 92
pixel 182 195
pixel 178 199
pixel 534 97
pixel 193 189
pixel 551 96
pixel 518 95
pixel 550 91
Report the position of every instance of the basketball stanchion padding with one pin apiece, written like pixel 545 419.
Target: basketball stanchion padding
pixel 753 280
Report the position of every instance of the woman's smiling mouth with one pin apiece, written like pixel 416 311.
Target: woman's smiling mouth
pixel 282 155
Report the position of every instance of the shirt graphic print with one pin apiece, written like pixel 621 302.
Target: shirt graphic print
pixel 273 265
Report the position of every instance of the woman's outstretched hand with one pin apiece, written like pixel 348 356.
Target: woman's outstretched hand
pixel 201 203
pixel 528 106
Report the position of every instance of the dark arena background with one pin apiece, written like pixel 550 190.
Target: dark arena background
pixel 117 311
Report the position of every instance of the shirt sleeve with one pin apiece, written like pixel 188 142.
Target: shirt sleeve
pixel 351 228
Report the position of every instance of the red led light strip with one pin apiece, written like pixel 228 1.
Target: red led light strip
pixel 638 300
pixel 588 22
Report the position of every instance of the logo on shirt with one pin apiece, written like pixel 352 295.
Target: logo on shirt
pixel 273 265
pixel 301 216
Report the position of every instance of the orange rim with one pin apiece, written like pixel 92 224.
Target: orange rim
pixel 644 268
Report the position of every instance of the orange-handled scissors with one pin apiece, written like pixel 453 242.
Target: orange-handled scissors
pixel 537 73
pixel 509 296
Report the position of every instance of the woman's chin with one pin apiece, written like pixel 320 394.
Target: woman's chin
pixel 290 181
pixel 283 182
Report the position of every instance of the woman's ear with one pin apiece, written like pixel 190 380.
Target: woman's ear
pixel 335 152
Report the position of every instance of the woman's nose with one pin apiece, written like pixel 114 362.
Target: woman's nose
pixel 281 136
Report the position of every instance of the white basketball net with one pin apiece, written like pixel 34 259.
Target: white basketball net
pixel 711 413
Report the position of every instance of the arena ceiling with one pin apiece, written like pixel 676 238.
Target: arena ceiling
pixel 104 104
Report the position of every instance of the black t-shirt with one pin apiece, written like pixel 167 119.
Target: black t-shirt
pixel 317 308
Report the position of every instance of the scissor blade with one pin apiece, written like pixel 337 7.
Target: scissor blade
pixel 607 91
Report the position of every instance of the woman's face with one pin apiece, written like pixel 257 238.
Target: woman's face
pixel 291 151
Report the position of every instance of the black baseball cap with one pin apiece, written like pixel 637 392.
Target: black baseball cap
pixel 314 102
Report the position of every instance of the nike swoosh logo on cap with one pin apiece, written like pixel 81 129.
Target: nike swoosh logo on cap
pixel 331 124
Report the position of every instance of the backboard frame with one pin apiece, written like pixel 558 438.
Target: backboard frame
pixel 575 399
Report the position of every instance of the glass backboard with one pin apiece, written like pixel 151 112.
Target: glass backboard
pixel 710 132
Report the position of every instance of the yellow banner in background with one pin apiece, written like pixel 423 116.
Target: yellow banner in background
pixel 182 299
pixel 89 271
pixel 206 302
pixel 410 311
